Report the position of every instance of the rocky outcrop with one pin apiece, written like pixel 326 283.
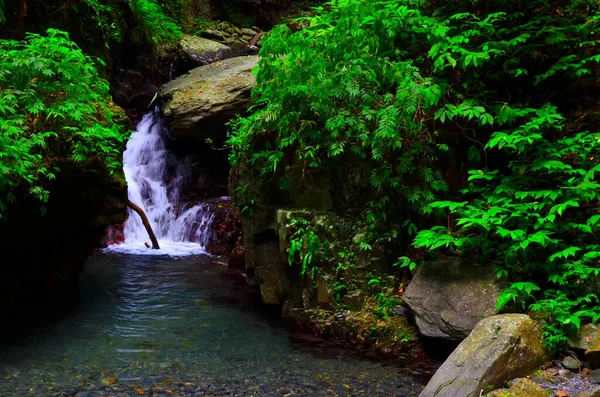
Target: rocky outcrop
pixel 499 348
pixel 237 39
pixel 448 297
pixel 202 51
pixel 42 255
pixel 198 104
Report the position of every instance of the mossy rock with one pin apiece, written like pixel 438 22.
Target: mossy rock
pixel 500 348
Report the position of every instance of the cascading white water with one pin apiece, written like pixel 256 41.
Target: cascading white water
pixel 180 231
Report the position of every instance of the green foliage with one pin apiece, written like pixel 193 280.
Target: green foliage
pixel 157 22
pixel 159 27
pixel 382 82
pixel 53 105
pixel 538 219
pixel 341 88
pixel 385 305
pixel 305 246
pixel 106 16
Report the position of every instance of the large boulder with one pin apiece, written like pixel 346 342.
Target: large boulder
pixel 499 348
pixel 448 297
pixel 204 51
pixel 198 104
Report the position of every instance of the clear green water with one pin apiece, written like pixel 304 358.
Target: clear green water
pixel 167 326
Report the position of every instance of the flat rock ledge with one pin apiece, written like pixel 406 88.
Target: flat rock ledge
pixel 499 348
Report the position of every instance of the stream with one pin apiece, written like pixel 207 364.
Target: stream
pixel 172 322
pixel 162 325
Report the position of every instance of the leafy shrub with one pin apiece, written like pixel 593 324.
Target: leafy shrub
pixel 158 26
pixel 343 86
pixel 53 105
pixel 382 81
pixel 156 21
pixel 536 220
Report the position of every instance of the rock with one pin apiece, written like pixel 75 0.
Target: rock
pixel 203 51
pixel 197 105
pixel 520 388
pixel 239 48
pixel 594 391
pixel 214 34
pixel 400 310
pixel 354 300
pixel 595 376
pixel 592 355
pixel 499 348
pixel 324 294
pixel 571 363
pixel 448 297
pixel 310 188
pixel 249 32
pixel 587 335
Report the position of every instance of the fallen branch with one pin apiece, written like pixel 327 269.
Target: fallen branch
pixel 146 223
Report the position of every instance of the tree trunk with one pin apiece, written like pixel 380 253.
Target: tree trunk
pixel 146 223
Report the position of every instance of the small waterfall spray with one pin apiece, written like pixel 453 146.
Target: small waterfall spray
pixel 179 229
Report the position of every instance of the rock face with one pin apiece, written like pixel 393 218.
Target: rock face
pixel 588 334
pixel 592 355
pixel 448 297
pixel 198 104
pixel 203 51
pixel 499 348
pixel 42 256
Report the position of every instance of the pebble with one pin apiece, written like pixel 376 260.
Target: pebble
pixel 571 363
pixel 595 376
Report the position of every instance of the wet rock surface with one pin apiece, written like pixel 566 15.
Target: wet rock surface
pixel 226 230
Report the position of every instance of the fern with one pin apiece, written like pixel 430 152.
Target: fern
pixel 52 104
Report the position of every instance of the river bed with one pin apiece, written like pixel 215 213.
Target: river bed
pixel 176 326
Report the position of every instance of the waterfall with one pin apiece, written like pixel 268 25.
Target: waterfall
pixel 180 229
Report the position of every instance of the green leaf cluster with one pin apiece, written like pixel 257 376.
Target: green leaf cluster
pixel 53 105
pixel 156 21
pixel 537 220
pixel 305 246
pixel 392 84
pixel 343 88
